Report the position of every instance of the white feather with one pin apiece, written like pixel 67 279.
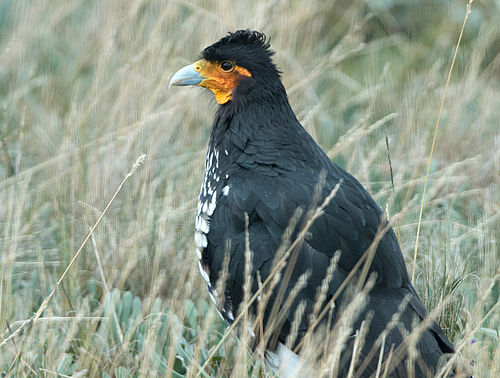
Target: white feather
pixel 203 273
pixel 200 239
pixel 287 364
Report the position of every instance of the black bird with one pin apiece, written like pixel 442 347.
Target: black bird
pixel 262 163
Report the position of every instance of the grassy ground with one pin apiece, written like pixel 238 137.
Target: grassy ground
pixel 83 92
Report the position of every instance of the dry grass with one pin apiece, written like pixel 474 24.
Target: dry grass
pixel 83 92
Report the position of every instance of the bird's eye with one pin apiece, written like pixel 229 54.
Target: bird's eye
pixel 227 66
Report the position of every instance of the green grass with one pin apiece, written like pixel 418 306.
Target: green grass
pixel 83 92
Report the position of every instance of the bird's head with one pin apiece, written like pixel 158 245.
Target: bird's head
pixel 232 67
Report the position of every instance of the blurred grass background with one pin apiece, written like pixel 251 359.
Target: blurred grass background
pixel 83 92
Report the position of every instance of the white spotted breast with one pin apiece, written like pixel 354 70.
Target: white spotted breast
pixel 207 202
pixel 214 184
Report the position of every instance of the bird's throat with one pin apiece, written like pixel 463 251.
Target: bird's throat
pixel 222 96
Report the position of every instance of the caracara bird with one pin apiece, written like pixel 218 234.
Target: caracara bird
pixel 261 166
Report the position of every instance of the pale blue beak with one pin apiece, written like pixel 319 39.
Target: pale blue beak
pixel 186 76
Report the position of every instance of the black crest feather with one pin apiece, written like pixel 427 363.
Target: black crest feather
pixel 248 38
pixel 248 48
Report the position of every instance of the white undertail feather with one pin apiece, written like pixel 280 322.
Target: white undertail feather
pixel 287 364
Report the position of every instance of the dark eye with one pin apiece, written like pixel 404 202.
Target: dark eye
pixel 226 66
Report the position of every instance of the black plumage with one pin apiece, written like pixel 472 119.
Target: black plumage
pixel 261 162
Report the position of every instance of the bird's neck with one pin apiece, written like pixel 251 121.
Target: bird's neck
pixel 265 115
pixel 249 135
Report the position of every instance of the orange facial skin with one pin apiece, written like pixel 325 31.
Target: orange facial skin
pixel 221 82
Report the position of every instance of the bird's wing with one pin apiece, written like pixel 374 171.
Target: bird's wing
pixel 270 201
pixel 269 191
pixel 348 223
pixel 256 197
pixel 274 182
